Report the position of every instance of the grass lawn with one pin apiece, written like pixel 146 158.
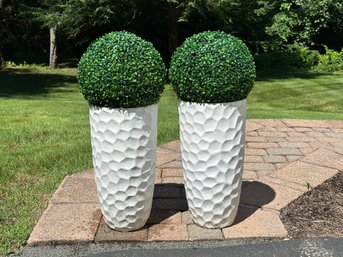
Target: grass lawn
pixel 44 132
pixel 301 95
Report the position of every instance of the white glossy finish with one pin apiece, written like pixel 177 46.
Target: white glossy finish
pixel 124 157
pixel 212 144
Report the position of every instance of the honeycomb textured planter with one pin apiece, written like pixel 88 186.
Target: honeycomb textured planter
pixel 212 144
pixel 124 157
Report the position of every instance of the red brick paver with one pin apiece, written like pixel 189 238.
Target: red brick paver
pixel 63 223
pixel 254 222
pixel 326 158
pixel 105 234
pixel 259 166
pixel 304 173
pixel 283 151
pixel 187 218
pixel 165 217
pixel 252 158
pixel 283 160
pixel 198 233
pixel 168 232
pixel 274 159
pixel 307 123
pixel 76 189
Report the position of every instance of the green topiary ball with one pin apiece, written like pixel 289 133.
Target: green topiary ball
pixel 212 67
pixel 121 70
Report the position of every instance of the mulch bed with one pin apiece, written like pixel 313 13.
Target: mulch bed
pixel 318 213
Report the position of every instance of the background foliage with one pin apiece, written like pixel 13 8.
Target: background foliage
pixel 275 27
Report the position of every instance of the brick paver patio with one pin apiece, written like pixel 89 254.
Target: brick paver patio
pixel 284 159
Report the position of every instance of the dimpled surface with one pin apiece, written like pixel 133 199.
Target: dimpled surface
pixel 212 144
pixel 124 157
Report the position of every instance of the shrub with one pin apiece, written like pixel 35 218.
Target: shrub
pixel 330 61
pixel 121 70
pixel 212 67
pixel 293 57
pixel 308 58
pixel 24 65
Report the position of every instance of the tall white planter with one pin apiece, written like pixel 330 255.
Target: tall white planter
pixel 212 144
pixel 124 157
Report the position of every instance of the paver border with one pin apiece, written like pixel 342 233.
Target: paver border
pixel 287 157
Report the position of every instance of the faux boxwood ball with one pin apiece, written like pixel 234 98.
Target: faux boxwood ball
pixel 212 67
pixel 121 70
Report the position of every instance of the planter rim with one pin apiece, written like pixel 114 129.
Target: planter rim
pixel 224 103
pixel 96 107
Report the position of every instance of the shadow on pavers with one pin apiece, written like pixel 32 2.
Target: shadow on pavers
pixel 254 195
pixel 170 199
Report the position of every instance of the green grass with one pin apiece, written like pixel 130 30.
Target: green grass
pixel 301 95
pixel 44 132
pixel 43 137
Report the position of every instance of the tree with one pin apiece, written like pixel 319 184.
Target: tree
pixel 174 13
pixel 165 22
pixel 299 21
pixel 7 13
pixel 244 18
pixel 182 10
pixel 3 29
pixel 84 16
pixel 50 14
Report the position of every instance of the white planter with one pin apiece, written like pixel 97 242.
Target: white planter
pixel 124 157
pixel 212 144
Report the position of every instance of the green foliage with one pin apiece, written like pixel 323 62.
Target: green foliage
pixel 245 18
pixel 24 65
pixel 302 57
pixel 48 13
pixel 299 21
pixel 330 61
pixel 121 70
pixel 212 67
pixel 7 17
pixel 80 17
pixel 308 58
pixel 295 56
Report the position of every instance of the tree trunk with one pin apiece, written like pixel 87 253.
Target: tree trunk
pixel 2 60
pixel 174 15
pixel 53 48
